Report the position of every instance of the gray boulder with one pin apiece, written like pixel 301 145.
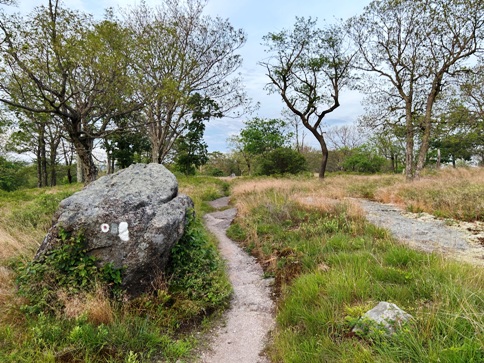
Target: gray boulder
pixel 385 315
pixel 131 219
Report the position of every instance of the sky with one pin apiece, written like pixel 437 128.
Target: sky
pixel 257 18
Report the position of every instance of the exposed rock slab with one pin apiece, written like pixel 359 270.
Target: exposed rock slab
pixel 131 219
pixel 424 232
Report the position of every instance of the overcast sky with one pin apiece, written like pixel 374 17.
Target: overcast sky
pixel 256 18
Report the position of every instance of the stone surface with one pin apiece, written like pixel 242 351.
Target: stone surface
pixel 385 314
pixel 131 219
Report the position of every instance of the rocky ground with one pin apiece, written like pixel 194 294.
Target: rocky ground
pixel 422 231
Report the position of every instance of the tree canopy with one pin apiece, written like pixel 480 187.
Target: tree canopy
pixel 414 49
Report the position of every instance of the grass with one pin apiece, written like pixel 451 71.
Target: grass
pixel 331 266
pixel 90 324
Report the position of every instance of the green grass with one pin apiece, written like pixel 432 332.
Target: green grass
pixel 330 268
pixel 86 324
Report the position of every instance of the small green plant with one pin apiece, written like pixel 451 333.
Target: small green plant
pixel 66 267
pixel 197 272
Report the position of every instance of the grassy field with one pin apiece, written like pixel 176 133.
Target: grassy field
pixel 63 324
pixel 331 266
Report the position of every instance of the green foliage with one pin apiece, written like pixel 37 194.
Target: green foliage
pixel 282 161
pixel 11 175
pixel 197 271
pixel 127 148
pixel 262 135
pixel 40 209
pixel 363 160
pixel 66 267
pixel 190 147
pixel 220 164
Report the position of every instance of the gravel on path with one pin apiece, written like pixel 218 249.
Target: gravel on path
pixel 243 336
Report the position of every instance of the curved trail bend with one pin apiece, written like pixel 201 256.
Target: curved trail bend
pixel 251 317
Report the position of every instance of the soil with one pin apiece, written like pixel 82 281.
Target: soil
pixel 243 335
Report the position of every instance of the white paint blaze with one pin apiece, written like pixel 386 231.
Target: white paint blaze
pixel 123 231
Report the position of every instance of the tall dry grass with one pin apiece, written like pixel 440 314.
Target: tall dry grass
pixel 449 193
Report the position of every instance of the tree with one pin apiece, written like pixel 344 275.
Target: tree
pixel 281 161
pixel 459 136
pixel 472 95
pixel 414 48
pixel 38 134
pixel 390 144
pixel 220 164
pixel 191 149
pixel 181 52
pixel 363 159
pixel 309 67
pixel 260 136
pixel 61 63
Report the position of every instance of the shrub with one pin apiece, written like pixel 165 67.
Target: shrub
pixel 197 271
pixel 364 160
pixel 282 161
pixel 67 267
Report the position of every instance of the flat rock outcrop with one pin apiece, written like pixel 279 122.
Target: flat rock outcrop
pixel 131 219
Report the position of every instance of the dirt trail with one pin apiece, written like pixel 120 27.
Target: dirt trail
pixel 243 336
pixel 424 232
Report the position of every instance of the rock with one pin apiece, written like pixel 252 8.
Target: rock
pixel 386 315
pixel 131 219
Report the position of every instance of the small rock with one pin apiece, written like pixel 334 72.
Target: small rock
pixel 385 314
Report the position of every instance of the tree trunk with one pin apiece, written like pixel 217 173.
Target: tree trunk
pixel 43 157
pixel 39 169
pixel 427 123
pixel 80 172
pixel 84 152
pixel 409 144
pixel 53 171
pixel 54 145
pixel 69 175
pixel 438 159
pixel 324 152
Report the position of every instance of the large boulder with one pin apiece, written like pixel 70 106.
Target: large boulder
pixel 131 219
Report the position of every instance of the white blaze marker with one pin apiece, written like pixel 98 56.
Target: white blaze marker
pixel 105 228
pixel 123 231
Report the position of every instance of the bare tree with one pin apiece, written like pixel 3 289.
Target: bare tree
pixel 309 67
pixel 345 136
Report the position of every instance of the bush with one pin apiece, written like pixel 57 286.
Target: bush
pixel 197 271
pixel 282 161
pixel 11 177
pixel 363 160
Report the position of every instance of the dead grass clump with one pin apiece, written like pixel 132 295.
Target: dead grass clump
pixel 448 193
pixel 13 246
pixel 96 306
pixel 7 286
